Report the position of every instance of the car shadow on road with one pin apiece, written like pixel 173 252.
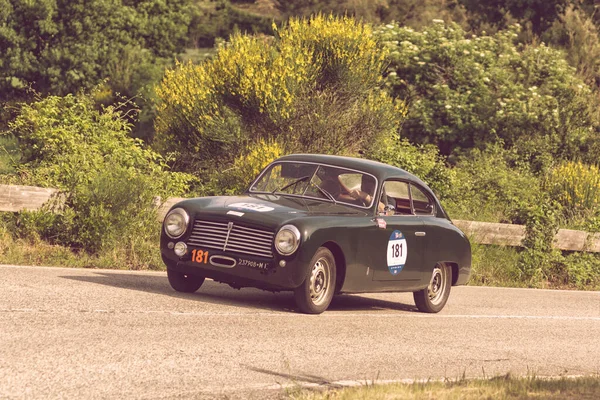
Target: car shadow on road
pixel 217 293
pixel 210 292
pixel 352 302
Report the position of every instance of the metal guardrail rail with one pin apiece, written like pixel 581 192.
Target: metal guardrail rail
pixel 16 198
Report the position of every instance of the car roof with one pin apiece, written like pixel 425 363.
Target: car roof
pixel 380 170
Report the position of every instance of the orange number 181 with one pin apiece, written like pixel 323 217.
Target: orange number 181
pixel 200 256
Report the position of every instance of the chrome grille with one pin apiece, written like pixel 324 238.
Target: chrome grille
pixel 229 236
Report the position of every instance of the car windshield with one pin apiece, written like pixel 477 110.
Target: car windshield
pixel 317 181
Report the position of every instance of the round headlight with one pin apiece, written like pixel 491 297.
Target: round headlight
pixel 287 240
pixel 176 223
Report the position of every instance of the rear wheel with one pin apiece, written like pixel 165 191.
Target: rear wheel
pixel 316 292
pixel 433 298
pixel 184 282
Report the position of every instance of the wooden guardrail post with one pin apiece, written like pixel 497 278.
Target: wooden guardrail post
pixel 15 198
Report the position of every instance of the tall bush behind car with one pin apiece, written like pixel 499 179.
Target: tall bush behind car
pixel 314 87
pixel 465 91
pixel 108 180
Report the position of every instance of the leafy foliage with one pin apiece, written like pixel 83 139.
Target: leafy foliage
pixel 466 91
pixel 414 13
pixel 314 87
pixel 489 186
pixel 576 186
pixel 576 32
pixel 244 169
pixel 219 19
pixel 423 161
pixel 540 13
pixel 108 180
pixel 62 46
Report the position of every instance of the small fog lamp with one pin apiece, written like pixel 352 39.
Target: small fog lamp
pixel 180 249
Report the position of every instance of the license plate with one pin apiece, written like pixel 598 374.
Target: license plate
pixel 262 265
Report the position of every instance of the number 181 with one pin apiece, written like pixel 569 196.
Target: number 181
pixel 396 250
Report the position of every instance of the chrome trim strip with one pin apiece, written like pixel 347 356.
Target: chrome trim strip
pixel 229 227
pixel 231 237
pixel 218 264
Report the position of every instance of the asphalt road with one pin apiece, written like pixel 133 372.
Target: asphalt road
pixel 71 333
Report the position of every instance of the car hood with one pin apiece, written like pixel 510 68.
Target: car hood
pixel 267 209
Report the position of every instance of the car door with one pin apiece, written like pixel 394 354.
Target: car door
pixel 398 243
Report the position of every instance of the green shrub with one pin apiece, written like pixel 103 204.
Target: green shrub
pixel 423 161
pixel 490 186
pixel 466 91
pixel 540 14
pixel 576 186
pixel 315 87
pixel 539 262
pixel 9 155
pixel 108 181
pixel 495 266
pixel 583 270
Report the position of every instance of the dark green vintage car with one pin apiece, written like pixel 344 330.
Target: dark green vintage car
pixel 320 225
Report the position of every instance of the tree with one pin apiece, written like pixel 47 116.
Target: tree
pixel 62 46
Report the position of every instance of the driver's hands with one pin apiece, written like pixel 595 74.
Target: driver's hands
pixel 359 195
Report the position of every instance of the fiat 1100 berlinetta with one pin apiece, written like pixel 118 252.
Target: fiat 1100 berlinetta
pixel 320 225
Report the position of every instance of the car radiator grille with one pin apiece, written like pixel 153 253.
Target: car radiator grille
pixel 228 236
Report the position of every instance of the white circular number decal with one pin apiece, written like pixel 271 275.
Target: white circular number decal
pixel 396 252
pixel 251 206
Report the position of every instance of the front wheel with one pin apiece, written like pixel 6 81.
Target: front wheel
pixel 433 298
pixel 316 292
pixel 185 283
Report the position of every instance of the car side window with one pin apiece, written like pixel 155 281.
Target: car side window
pixel 421 202
pixel 396 198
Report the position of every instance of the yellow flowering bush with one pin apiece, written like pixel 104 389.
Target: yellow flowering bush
pixel 245 168
pixel 256 158
pixel 576 186
pixel 313 87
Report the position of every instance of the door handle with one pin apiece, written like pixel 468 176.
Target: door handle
pixel 420 234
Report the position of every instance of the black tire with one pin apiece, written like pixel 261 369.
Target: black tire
pixel 184 282
pixel 434 297
pixel 316 292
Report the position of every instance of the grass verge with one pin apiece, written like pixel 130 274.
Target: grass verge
pixel 137 255
pixel 495 266
pixel 503 387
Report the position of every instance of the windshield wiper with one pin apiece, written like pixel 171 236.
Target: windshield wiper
pixel 297 181
pixel 326 193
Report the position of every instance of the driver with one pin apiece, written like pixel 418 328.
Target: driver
pixel 366 192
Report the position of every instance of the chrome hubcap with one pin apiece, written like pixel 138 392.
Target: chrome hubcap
pixel 437 286
pixel 319 281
